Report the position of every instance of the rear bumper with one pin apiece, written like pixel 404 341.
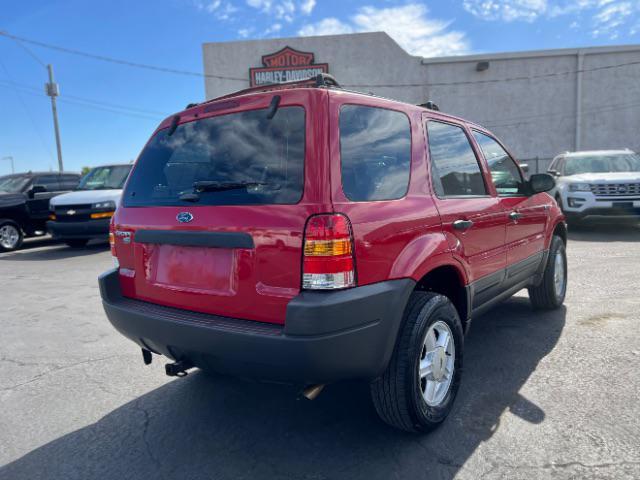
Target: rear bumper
pixel 84 229
pixel 327 336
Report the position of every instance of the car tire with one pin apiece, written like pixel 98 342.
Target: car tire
pixel 77 242
pixel 11 236
pixel 401 394
pixel 550 293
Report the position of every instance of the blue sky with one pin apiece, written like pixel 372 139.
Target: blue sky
pixel 107 111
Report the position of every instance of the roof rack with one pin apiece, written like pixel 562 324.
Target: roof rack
pixel 430 106
pixel 321 80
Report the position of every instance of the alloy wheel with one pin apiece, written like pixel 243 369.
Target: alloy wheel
pixel 437 363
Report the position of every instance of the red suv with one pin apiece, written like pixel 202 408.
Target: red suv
pixel 308 234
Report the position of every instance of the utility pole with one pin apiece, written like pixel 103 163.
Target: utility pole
pixel 10 158
pixel 53 91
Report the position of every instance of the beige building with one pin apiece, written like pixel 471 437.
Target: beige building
pixel 540 103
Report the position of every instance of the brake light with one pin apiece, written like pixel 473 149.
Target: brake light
pixel 328 261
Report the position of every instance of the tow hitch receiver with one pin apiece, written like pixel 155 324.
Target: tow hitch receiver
pixel 178 369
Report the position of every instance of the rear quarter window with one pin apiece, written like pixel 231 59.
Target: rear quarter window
pixel 375 152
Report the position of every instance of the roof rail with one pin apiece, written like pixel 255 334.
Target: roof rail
pixel 321 80
pixel 326 80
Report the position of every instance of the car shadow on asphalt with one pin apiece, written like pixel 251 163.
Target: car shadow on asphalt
pixel 205 426
pixel 605 232
pixel 53 250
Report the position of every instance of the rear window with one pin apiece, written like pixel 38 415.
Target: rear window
pixel 375 148
pixel 251 158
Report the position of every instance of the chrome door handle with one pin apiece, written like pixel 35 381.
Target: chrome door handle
pixel 515 216
pixel 462 224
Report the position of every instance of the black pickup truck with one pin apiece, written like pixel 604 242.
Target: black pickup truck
pixel 24 203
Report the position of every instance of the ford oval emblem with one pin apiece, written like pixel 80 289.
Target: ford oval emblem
pixel 184 217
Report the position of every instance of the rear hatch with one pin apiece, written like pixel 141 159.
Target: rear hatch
pixel 212 217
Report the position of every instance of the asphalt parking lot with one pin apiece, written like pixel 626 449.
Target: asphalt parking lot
pixel 544 395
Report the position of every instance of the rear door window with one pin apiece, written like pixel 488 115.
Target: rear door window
pixel 375 150
pixel 456 171
pixel 69 182
pixel 241 158
pixel 50 182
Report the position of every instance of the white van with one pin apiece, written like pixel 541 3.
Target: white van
pixel 85 213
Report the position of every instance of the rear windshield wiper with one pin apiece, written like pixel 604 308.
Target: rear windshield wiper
pixel 212 186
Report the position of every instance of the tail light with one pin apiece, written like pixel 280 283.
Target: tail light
pixel 112 242
pixel 328 261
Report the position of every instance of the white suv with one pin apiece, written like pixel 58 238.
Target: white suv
pixel 599 183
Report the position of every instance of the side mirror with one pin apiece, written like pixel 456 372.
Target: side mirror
pixel 524 167
pixel 37 189
pixel 541 182
pixel 553 172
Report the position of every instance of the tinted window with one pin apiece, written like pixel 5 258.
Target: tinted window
pixel 50 182
pixel 555 164
pixel 560 166
pixel 69 182
pixel 245 148
pixel 456 171
pixel 375 148
pixel 505 174
pixel 111 177
pixel 13 183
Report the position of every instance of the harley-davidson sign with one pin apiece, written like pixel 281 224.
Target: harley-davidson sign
pixel 286 65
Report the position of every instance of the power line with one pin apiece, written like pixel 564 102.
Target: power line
pixel 27 111
pixel 606 108
pixel 497 80
pixel 29 52
pixel 92 105
pixel 107 109
pixel 116 60
pixel 98 103
pixel 104 58
pixel 553 114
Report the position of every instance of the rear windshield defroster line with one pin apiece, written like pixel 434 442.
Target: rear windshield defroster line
pixel 249 148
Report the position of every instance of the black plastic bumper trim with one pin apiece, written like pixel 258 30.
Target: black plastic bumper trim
pixel 327 336
pixel 196 239
pixel 82 229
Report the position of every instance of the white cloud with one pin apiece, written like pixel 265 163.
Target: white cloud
pixel 409 25
pixel 507 10
pixel 611 17
pixel 213 6
pixel 275 28
pixel 221 10
pixel 604 17
pixel 307 6
pixel 327 26
pixel 283 9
